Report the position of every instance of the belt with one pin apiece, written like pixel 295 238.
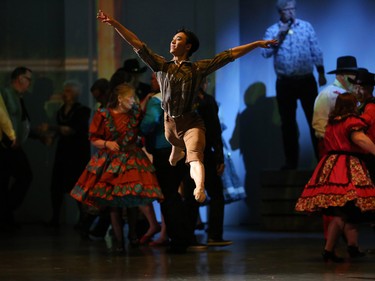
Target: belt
pixel 294 77
pixel 183 115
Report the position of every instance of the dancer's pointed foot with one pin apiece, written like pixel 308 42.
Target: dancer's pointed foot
pixel 176 155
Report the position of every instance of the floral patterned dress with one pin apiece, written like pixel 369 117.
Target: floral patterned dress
pixel 123 178
pixel 341 176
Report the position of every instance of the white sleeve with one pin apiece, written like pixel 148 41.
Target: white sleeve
pixel 321 113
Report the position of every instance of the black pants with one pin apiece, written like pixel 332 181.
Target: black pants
pixel 65 174
pixel 288 92
pixel 215 191
pixel 15 181
pixel 173 209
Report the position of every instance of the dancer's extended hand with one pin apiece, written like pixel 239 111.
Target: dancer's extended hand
pixel 268 43
pixel 103 17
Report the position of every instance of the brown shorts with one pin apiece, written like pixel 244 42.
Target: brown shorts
pixel 187 132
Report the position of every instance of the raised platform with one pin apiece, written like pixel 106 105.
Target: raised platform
pixel 279 193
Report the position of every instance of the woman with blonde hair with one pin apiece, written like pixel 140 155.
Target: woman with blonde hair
pixel 119 174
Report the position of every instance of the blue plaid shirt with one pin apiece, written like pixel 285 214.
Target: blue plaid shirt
pixel 299 51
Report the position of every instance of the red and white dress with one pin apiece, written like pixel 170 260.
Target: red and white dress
pixel 341 176
pixel 123 178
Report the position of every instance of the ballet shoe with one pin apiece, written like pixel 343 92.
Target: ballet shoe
pixel 199 194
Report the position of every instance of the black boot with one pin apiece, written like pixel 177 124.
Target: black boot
pixel 354 252
pixel 331 256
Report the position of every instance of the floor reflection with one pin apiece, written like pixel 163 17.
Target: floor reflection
pixel 36 253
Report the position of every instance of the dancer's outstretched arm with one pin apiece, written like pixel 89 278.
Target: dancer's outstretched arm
pixel 242 50
pixel 136 43
pixel 125 33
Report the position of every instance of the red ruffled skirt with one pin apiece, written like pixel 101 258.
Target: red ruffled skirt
pixel 118 179
pixel 337 180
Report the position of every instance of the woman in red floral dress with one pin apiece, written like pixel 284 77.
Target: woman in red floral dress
pixel 341 185
pixel 119 174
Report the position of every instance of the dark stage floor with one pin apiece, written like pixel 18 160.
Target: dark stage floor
pixel 37 253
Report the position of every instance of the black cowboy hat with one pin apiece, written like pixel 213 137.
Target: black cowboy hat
pixel 363 77
pixel 132 66
pixel 345 64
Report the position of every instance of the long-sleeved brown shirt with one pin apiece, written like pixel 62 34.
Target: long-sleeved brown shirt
pixel 179 84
